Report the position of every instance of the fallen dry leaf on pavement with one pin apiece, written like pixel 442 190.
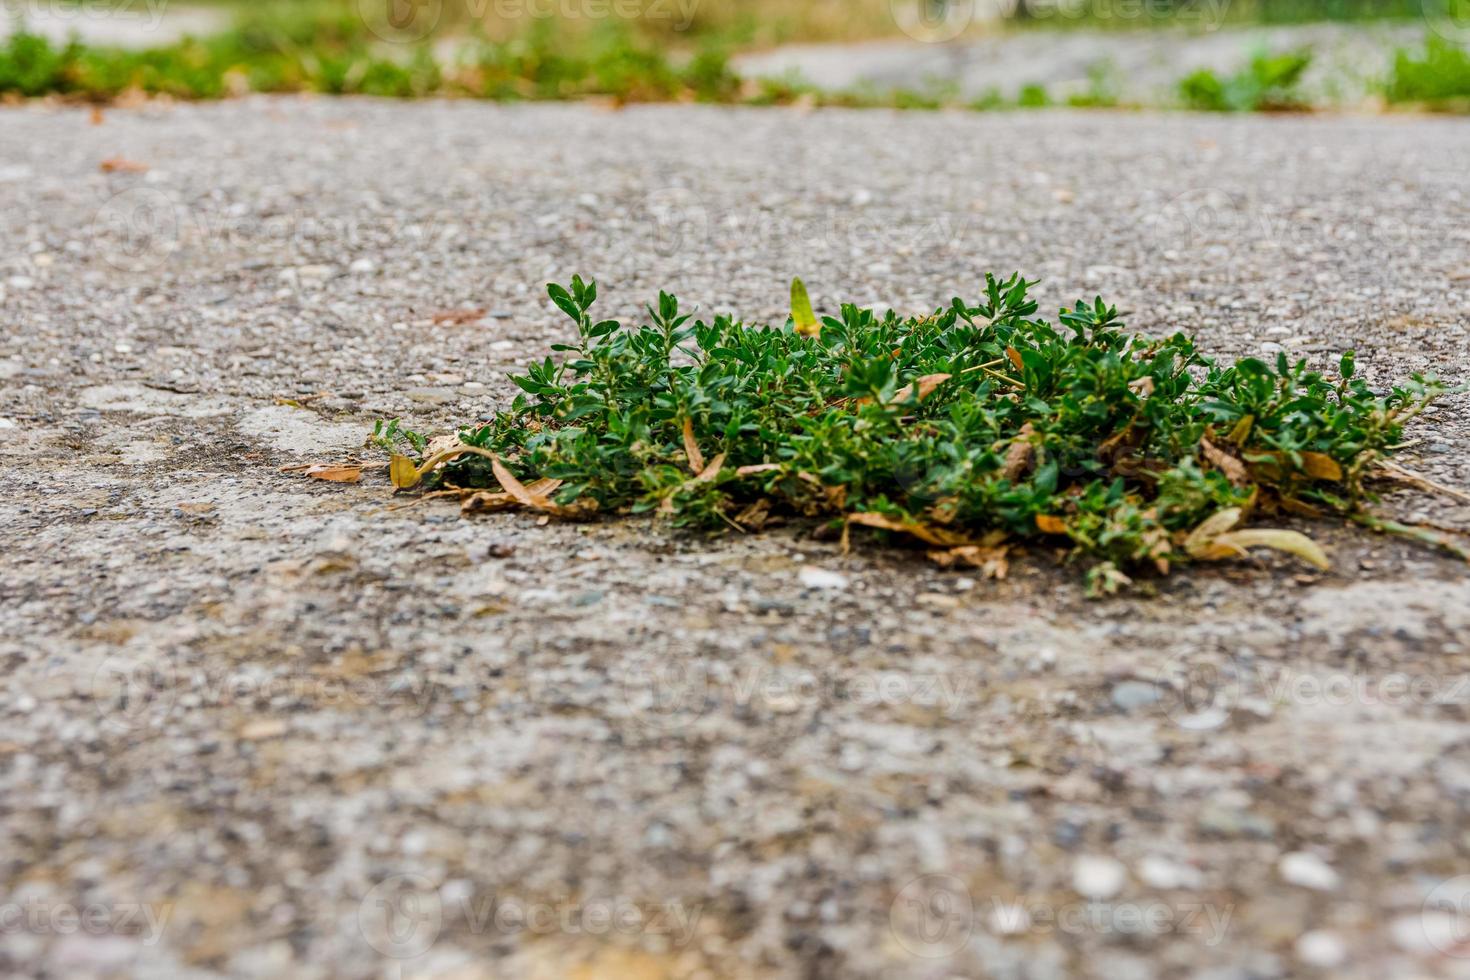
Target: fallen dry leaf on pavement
pixel 992 562
pixel 335 473
pixel 458 318
pixel 122 165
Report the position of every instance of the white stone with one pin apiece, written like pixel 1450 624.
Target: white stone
pixel 1307 870
pixel 1098 876
pixel 820 578
pixel 1160 872
pixel 1323 950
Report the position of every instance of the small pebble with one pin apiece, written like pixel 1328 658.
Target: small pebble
pixel 1098 876
pixel 1307 870
pixel 1323 950
pixel 820 578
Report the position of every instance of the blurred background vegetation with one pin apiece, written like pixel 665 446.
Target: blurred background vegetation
pixel 662 50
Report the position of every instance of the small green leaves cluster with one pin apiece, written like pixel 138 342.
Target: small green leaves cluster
pixel 1270 83
pixel 979 421
pixel 1438 77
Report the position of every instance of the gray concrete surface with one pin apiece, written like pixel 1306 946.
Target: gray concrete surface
pixel 253 725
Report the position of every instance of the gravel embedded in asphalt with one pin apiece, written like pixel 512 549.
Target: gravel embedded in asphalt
pixel 256 725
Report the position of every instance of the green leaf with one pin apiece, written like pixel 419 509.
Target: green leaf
pixel 801 310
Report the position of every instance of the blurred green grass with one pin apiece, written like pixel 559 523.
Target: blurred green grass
pixel 642 51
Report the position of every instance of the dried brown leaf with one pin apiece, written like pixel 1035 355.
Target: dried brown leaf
pixel 516 488
pixel 535 496
pixel 924 387
pixel 925 533
pixel 710 472
pixel 1227 464
pixel 992 562
pixel 458 318
pixel 1299 507
pixel 756 516
pixel 691 448
pixel 1018 457
pixel 122 165
pixel 336 473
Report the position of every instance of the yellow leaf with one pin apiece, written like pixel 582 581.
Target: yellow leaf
pixel 403 473
pixel 1015 357
pixel 1291 542
pixel 1202 537
pixel 801 310
pixel 1242 430
pixel 1049 524
pixel 1320 466
pixel 925 533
